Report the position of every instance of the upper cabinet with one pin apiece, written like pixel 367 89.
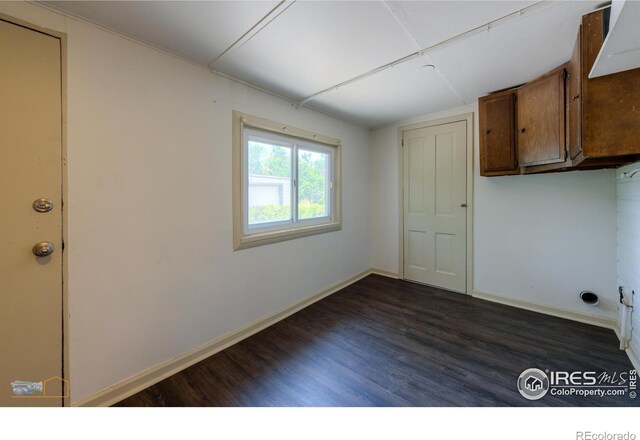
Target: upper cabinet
pixel 620 48
pixel 610 109
pixel 541 137
pixel 497 134
pixel 573 109
pixel 564 120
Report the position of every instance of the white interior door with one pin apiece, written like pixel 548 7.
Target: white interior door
pixel 435 214
pixel 30 170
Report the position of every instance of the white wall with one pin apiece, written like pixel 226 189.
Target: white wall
pixel 152 273
pixel 540 239
pixel 629 244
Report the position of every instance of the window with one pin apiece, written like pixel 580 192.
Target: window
pixel 286 182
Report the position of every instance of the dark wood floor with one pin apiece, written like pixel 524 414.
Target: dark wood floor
pixel 385 342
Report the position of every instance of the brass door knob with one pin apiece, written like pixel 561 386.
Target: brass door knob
pixel 43 249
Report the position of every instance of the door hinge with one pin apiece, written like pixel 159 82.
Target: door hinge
pixel 403 142
pixel 62 245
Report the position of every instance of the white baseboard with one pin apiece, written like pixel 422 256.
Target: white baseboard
pixel 633 357
pixel 386 273
pixel 598 321
pixel 153 375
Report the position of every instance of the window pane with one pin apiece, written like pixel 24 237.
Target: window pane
pixel 313 185
pixel 269 169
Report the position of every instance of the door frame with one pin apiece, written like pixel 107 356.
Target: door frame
pixel 469 119
pixel 64 289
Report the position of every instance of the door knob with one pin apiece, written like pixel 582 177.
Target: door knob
pixel 43 249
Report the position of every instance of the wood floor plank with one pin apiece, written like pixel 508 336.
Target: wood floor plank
pixel 385 342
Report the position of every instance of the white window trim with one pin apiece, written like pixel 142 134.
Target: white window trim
pixel 245 237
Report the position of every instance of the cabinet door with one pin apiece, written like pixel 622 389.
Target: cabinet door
pixel 497 134
pixel 610 103
pixel 541 132
pixel 574 102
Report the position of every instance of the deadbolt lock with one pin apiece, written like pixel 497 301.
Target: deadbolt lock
pixel 43 249
pixel 42 205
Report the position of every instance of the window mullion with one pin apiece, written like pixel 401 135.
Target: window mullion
pixel 295 184
pixel 329 185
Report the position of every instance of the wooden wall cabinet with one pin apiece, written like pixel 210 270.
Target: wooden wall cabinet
pixel 541 132
pixel 604 119
pixel 497 119
pixel 563 120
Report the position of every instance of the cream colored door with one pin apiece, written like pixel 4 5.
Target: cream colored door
pixel 435 214
pixel 30 169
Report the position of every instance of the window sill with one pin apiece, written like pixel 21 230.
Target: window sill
pixel 259 239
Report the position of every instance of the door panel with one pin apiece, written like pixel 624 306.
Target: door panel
pixel 444 253
pixel 417 246
pixel 30 169
pixel 434 220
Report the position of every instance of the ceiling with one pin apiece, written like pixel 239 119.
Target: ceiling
pixel 361 61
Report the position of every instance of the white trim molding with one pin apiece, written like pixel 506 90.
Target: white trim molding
pixel 598 321
pixel 635 360
pixel 558 312
pixel 386 273
pixel 242 238
pixel 155 374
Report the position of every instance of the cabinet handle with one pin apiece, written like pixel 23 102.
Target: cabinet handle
pixel 522 130
pixel 487 132
pixel 576 97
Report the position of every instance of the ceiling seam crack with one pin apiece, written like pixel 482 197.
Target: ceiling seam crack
pixel 393 14
pixel 419 47
pixel 255 29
